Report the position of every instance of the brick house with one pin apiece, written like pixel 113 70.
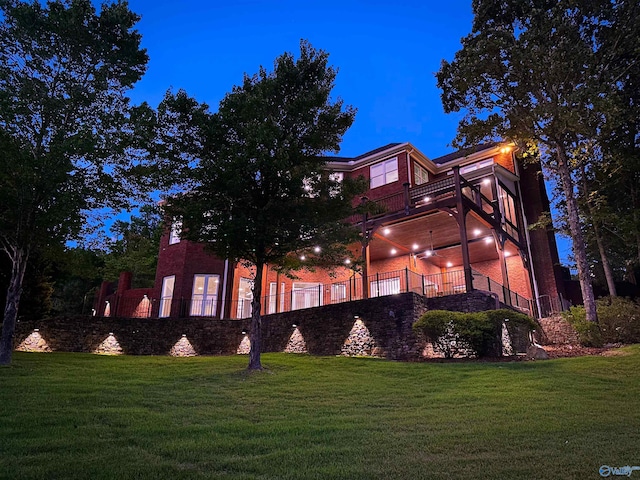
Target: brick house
pixel 450 225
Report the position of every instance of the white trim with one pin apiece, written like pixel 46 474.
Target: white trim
pixel 224 287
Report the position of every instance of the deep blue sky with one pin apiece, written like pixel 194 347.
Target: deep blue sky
pixel 386 54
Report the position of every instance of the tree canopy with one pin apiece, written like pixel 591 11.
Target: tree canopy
pixel 548 73
pixel 260 192
pixel 69 137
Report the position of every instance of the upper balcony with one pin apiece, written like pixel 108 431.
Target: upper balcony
pixel 489 193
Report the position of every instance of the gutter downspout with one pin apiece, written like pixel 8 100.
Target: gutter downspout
pixel 534 279
pixel 224 287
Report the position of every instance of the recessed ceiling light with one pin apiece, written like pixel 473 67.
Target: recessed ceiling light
pixel 507 254
pixel 302 257
pixel 393 251
pixel 488 240
pixel 477 232
pixel 415 246
pixel 386 231
pixel 486 181
pixel 317 249
pixel 449 264
pixel 347 261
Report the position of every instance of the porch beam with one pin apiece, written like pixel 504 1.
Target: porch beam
pixel 461 214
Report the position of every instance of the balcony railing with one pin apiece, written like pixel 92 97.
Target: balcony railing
pixel 429 192
pixel 379 285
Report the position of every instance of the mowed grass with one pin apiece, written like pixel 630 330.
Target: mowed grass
pixel 85 416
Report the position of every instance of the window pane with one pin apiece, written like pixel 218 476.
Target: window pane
pixel 198 284
pixel 212 285
pixel 167 286
pixel 377 170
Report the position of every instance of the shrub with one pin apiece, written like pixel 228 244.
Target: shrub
pixel 479 334
pixel 618 322
pixel 588 333
pixel 437 327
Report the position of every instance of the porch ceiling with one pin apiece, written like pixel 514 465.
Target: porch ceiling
pixel 413 236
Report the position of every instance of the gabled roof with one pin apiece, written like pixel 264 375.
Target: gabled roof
pixel 363 155
pixel 377 150
pixel 465 152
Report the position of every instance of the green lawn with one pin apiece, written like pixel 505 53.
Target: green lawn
pixel 87 416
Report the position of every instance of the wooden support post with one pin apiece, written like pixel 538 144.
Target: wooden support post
pixel 461 215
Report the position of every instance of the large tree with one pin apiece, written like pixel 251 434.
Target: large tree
pixel 544 71
pixel 67 130
pixel 260 192
pixel 134 247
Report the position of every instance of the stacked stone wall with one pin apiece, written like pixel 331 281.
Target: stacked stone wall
pixel 556 330
pixel 388 319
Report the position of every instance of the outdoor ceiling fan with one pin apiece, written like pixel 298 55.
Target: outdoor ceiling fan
pixel 431 253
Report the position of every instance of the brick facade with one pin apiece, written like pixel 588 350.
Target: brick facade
pixel 185 259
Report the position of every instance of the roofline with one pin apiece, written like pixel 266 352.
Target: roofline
pixel 345 165
pixel 473 157
pixel 382 155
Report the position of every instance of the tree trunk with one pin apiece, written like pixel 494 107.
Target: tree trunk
pixel 255 332
pixel 18 266
pixel 579 247
pixel 606 266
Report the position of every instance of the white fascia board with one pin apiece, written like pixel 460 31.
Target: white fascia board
pixel 471 158
pixel 383 155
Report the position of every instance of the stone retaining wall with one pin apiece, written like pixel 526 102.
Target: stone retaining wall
pixel 324 330
pixel 556 330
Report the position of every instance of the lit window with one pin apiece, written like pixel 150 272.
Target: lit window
pixel 384 172
pixel 421 175
pixel 174 234
pixel 386 286
pixel 476 166
pixel 204 299
pixel 306 295
pixel 338 292
pixel 245 298
pixel 166 296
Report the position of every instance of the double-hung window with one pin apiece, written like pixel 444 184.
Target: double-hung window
pixel 384 172
pixel 421 175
